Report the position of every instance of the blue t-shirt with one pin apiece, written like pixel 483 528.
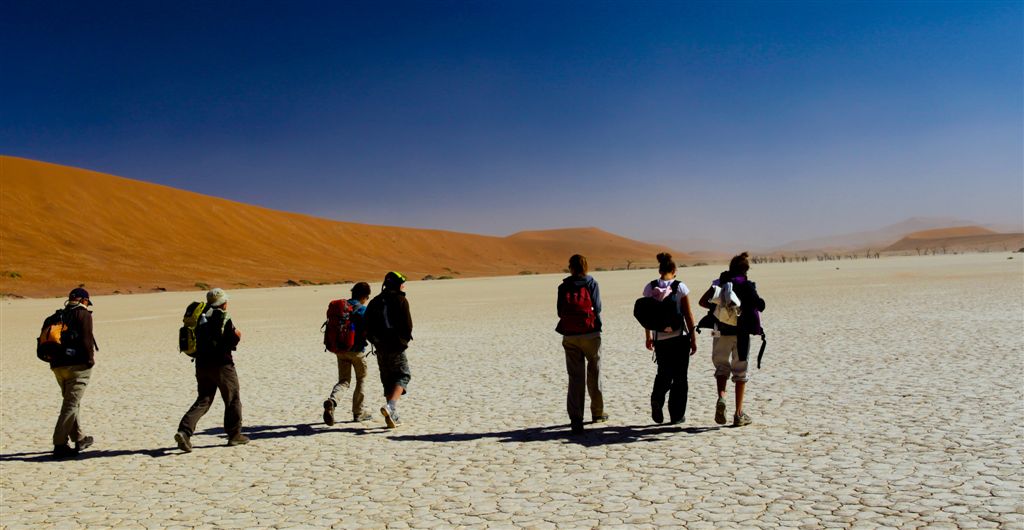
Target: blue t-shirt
pixel 359 310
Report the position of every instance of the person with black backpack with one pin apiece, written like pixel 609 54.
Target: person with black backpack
pixel 216 338
pixel 672 339
pixel 730 348
pixel 67 343
pixel 389 329
pixel 579 323
pixel 348 345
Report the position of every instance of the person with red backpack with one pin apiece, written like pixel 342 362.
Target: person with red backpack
pixel 579 322
pixel 673 344
pixel 345 336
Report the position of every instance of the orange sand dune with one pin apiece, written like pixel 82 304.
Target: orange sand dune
pixel 957 239
pixel 956 231
pixel 135 236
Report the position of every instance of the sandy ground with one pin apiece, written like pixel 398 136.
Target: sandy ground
pixel 890 397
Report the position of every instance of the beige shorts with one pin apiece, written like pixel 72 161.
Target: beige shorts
pixel 726 359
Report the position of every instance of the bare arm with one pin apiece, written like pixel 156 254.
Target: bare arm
pixel 705 301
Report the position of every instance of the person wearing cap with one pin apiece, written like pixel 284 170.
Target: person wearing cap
pixel 389 329
pixel 72 371
pixel 352 361
pixel 216 338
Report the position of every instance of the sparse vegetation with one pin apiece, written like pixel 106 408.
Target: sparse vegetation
pixel 429 277
pixel 526 273
pixel 700 264
pixel 598 269
pixel 10 295
pixel 445 278
pixel 306 282
pixel 160 289
pixel 292 283
pixel 203 286
pixel 12 274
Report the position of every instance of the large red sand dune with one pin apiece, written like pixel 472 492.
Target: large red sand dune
pixel 63 226
pixel 957 239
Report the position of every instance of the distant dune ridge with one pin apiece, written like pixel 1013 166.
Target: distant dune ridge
pixel 63 226
pixel 958 239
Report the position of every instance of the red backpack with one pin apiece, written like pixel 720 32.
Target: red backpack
pixel 578 315
pixel 339 330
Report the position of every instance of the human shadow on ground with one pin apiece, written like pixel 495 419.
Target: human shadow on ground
pixel 267 432
pixel 595 434
pixel 255 432
pixel 47 456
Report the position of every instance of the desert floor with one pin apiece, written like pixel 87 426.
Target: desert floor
pixel 890 396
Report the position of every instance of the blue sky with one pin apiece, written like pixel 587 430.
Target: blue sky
pixel 753 123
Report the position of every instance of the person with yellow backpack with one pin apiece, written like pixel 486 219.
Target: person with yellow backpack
pixel 215 338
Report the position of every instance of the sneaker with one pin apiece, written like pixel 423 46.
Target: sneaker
pixel 184 443
pixel 390 417
pixel 363 416
pixel 63 451
pixel 741 420
pixel 238 439
pixel 656 413
pixel 329 412
pixel 601 419
pixel 83 444
pixel 720 411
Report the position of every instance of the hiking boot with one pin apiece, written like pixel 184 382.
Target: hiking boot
pixel 63 451
pixel 656 414
pixel 238 439
pixel 601 419
pixel 329 412
pixel 362 416
pixel 390 417
pixel 83 444
pixel 720 411
pixel 741 420
pixel 184 441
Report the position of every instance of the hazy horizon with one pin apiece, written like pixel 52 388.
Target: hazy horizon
pixel 753 124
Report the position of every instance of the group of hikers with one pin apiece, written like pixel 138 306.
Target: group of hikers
pixel 734 310
pixel 384 323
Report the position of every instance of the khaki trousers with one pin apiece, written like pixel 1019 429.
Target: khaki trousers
pixel 583 363
pixel 72 381
pixel 347 363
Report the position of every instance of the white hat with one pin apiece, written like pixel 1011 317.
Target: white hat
pixel 216 297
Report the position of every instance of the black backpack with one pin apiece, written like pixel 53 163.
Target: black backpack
pixel 659 315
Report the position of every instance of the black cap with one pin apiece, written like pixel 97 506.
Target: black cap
pixel 80 293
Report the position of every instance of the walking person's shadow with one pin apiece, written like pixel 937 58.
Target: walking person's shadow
pixel 595 435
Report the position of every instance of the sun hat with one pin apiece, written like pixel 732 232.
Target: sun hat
pixel 216 297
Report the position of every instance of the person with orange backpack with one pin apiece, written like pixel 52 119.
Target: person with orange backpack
pixel 345 337
pixel 579 323
pixel 67 343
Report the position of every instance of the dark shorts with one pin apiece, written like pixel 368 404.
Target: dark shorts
pixel 394 370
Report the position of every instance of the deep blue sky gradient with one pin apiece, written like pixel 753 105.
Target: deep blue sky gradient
pixel 749 122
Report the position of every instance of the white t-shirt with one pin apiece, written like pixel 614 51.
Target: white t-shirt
pixel 660 292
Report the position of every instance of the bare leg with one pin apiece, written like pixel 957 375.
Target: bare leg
pixel 722 381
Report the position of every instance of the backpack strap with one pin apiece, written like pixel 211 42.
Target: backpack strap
pixel 675 286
